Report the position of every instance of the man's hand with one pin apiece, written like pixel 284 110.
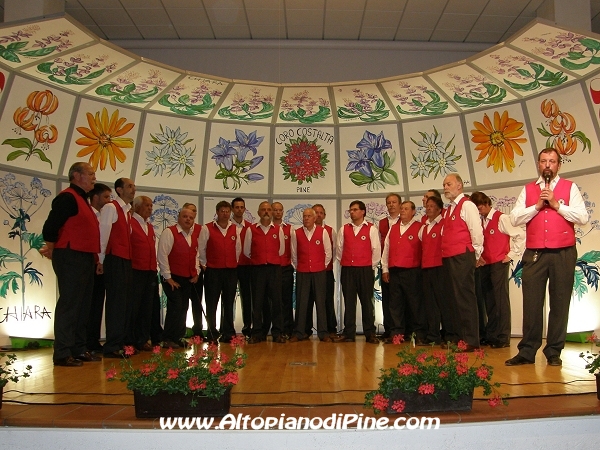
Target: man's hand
pixel 47 249
pixel 480 262
pixel 547 198
pixel 99 269
pixel 385 277
pixel 194 280
pixel 174 285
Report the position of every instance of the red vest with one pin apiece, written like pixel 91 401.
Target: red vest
pixel 456 239
pixel 330 232
pixel 143 249
pixel 182 258
pixel 496 244
pixel 286 258
pixel 384 227
pixel 548 229
pixel 244 260
pixel 431 246
pixel 119 241
pixel 357 249
pixel 404 250
pixel 265 247
pixel 220 250
pixel 80 232
pixel 310 254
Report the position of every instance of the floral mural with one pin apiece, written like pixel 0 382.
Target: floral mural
pixel 103 139
pixel 170 153
pixel 17 44
pixel 20 203
pixel 34 118
pixel 475 90
pixel 193 100
pixel 254 106
pixel 231 158
pixel 304 109
pixel 434 156
pixel 498 141
pixel 366 106
pixel 370 164
pixel 303 160
pixel 135 86
pixel 560 130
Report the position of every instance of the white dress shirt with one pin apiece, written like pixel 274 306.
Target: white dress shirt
pixel 205 236
pixel 386 245
pixel 265 229
pixel 517 234
pixel 375 242
pixel 108 216
pixel 143 223
pixel 470 214
pixel 574 212
pixel 309 234
pixel 165 245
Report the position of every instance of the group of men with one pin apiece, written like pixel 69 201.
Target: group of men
pixel 428 269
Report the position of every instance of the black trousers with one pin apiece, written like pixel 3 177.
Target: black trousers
pixel 385 306
pixel 555 268
pixel 287 298
pixel 459 280
pixel 358 281
pixel 94 324
pixel 433 299
pixel 143 289
pixel 75 278
pixel 197 307
pixel 156 330
pixel 117 277
pixel 244 276
pixel 310 285
pixel 405 300
pixel 178 301
pixel 220 284
pixel 266 293
pixel 494 287
pixel 329 306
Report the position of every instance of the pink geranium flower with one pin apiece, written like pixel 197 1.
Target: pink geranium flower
pixel 426 389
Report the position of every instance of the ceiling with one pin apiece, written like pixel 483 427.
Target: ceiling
pixel 476 21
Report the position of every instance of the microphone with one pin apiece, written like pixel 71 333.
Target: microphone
pixel 547 178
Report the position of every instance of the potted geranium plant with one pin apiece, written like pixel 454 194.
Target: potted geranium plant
pixel 9 373
pixel 433 380
pixel 190 383
pixel 592 361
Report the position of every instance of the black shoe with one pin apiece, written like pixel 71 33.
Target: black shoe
pixel 254 340
pixel 69 361
pixel 372 339
pixel 342 338
pixel 500 344
pixel 279 340
pixel 517 361
pixel 554 361
pixel 87 356
pixel 225 340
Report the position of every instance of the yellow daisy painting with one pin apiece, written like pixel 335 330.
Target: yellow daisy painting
pixel 103 139
pixel 498 140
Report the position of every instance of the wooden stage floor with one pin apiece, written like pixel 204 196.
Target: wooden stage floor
pixel 305 379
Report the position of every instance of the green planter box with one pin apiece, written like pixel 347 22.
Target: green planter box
pixel 21 342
